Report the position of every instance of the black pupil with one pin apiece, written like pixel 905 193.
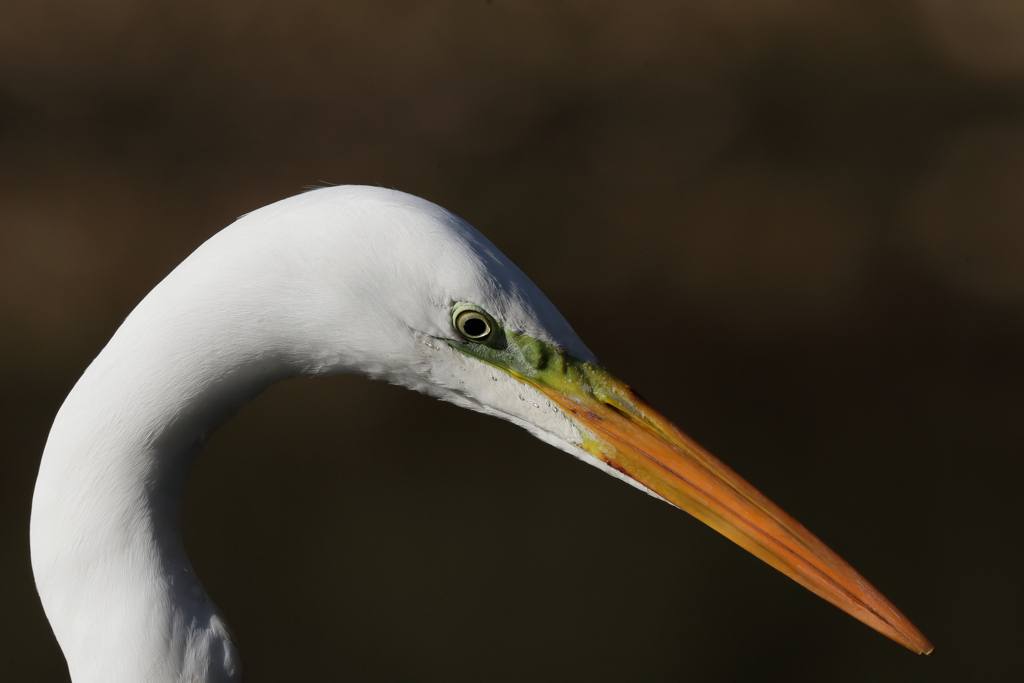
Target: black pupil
pixel 474 327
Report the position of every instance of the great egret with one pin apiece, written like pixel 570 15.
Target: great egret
pixel 341 279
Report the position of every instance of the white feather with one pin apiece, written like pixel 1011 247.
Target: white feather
pixel 341 279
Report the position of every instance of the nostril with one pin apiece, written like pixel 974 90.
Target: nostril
pixel 617 409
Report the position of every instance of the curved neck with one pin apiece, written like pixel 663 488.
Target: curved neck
pixel 338 280
pixel 107 552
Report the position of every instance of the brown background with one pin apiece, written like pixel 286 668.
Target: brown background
pixel 796 227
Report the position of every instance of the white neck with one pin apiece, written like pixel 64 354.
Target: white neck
pixel 106 545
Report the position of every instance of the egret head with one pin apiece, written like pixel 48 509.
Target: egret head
pixel 408 292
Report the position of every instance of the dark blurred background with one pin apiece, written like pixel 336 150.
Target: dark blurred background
pixel 796 227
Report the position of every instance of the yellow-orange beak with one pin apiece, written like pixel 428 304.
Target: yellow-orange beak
pixel 622 430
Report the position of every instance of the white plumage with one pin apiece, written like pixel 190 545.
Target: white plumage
pixel 343 279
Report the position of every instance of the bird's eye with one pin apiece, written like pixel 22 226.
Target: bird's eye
pixel 472 325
